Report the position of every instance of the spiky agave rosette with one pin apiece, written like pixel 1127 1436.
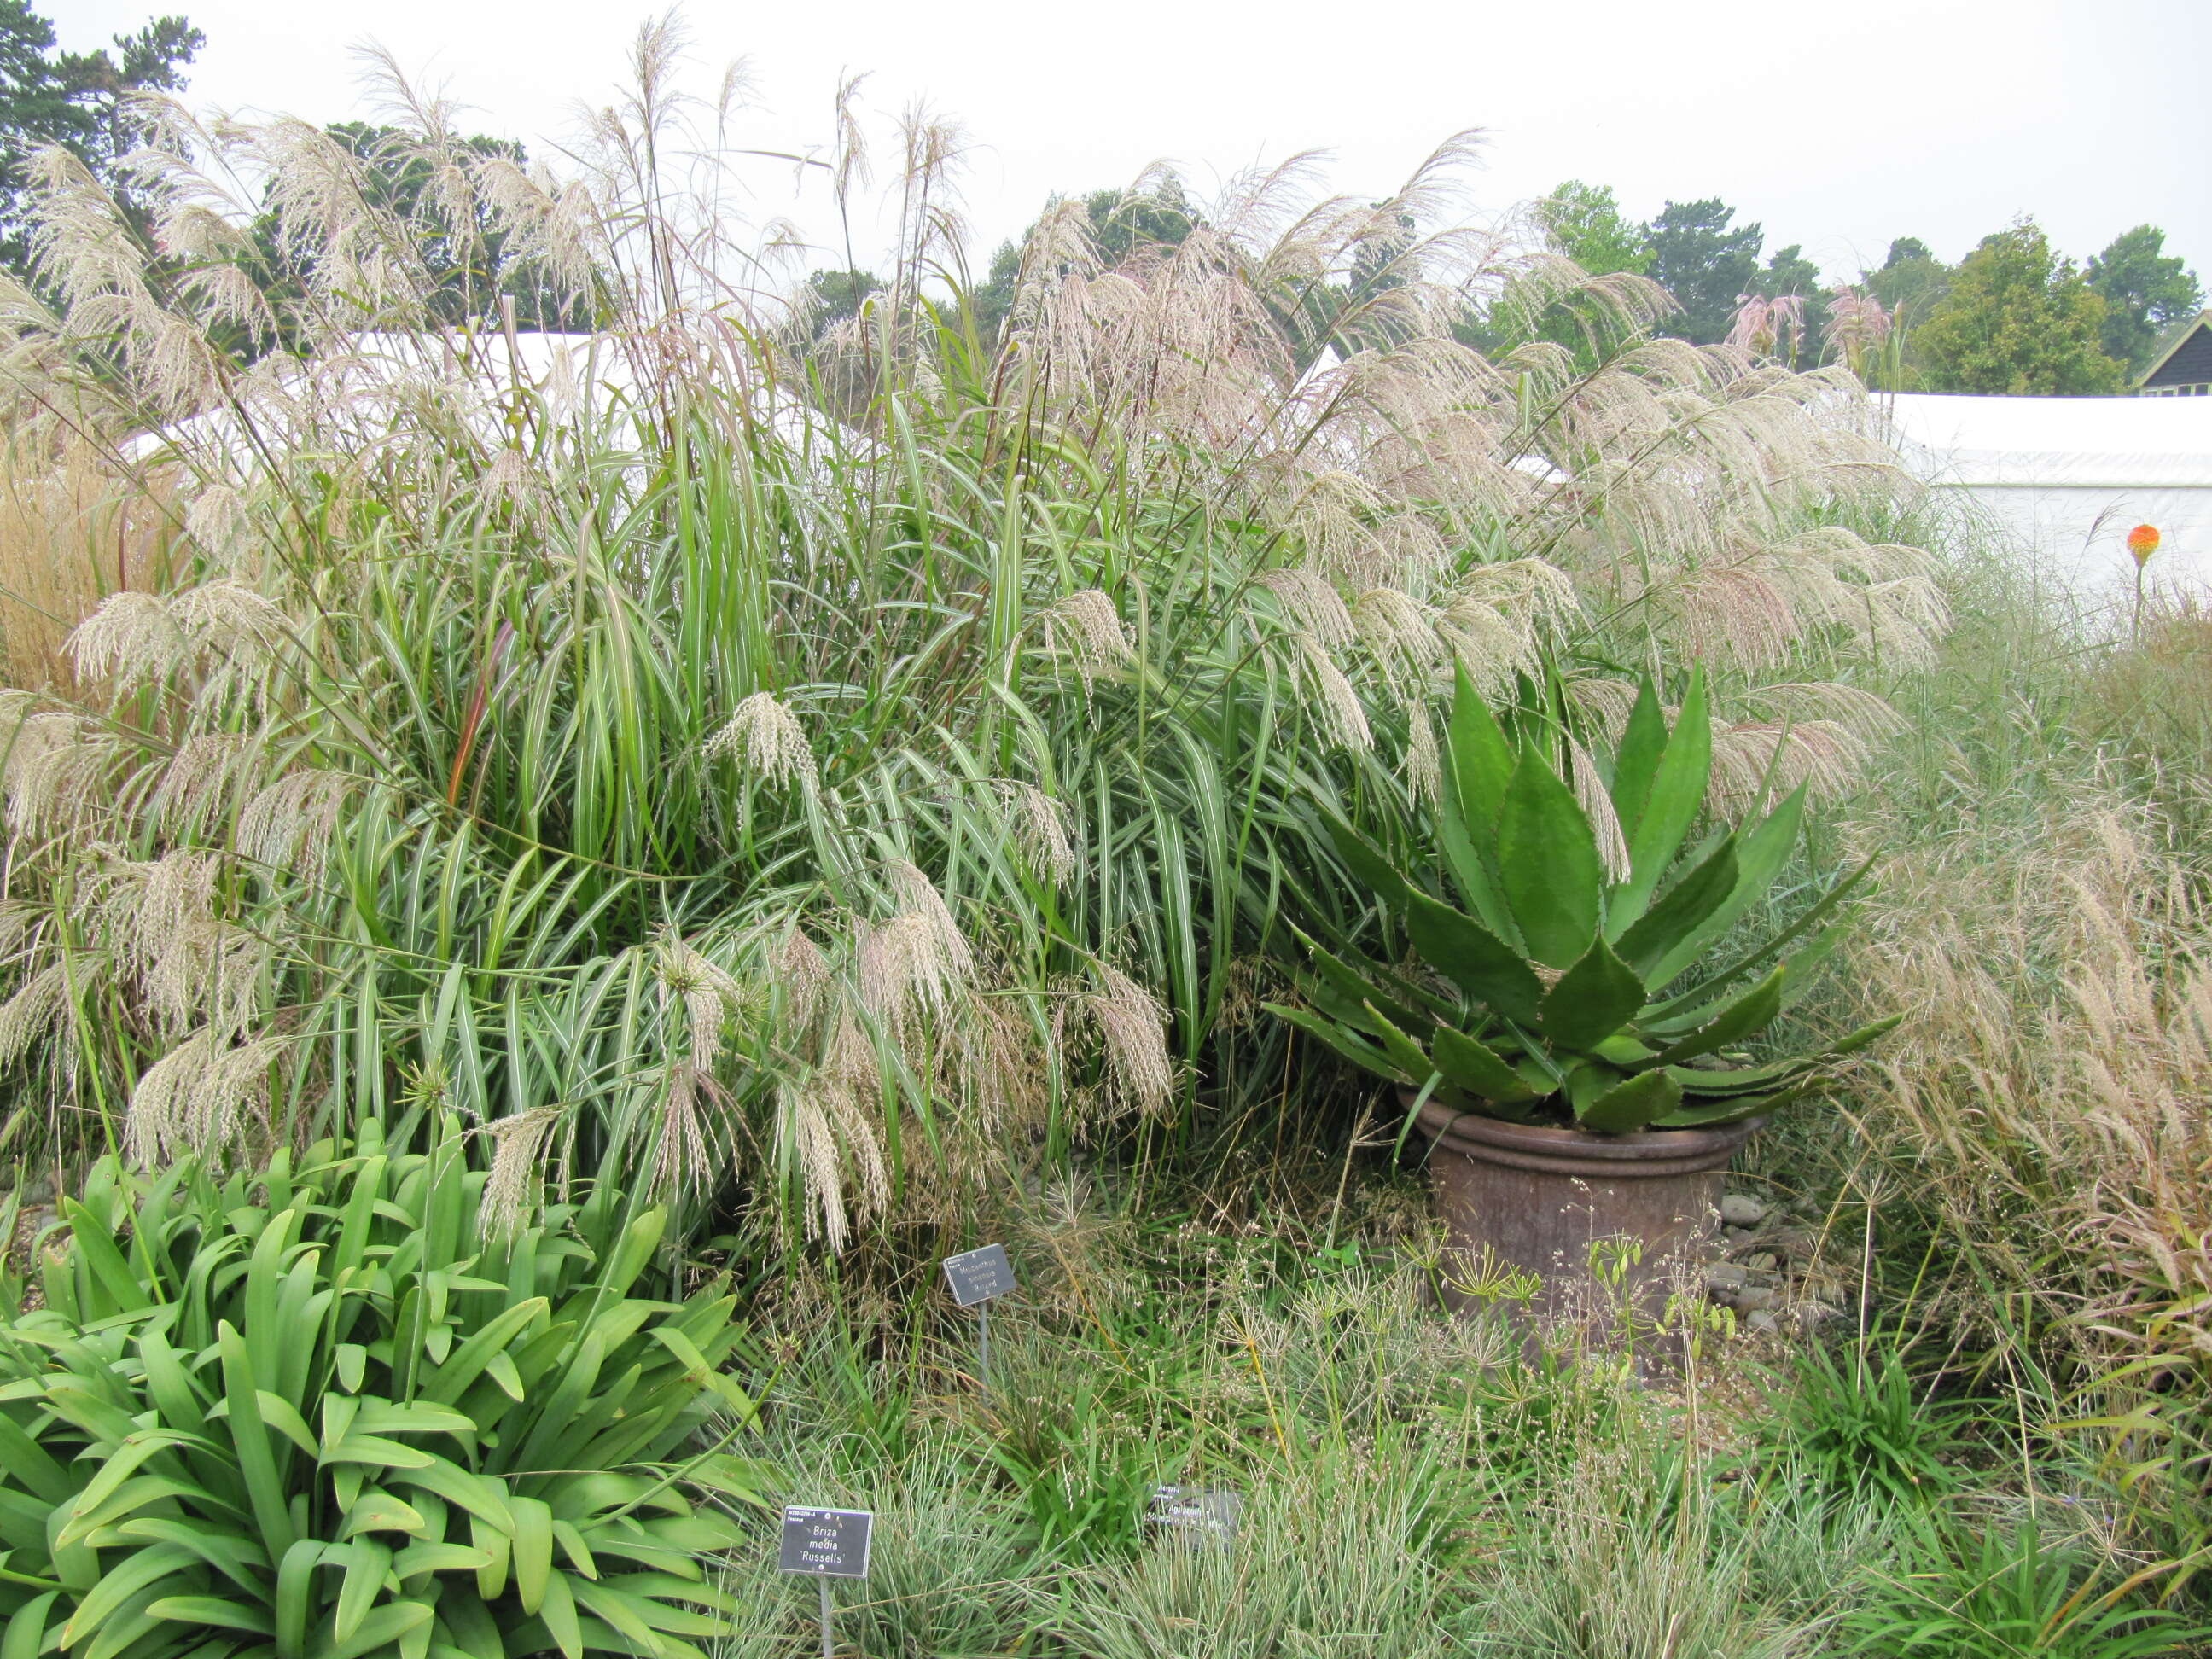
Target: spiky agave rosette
pixel 1573 987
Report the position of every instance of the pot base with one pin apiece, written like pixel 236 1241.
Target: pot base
pixel 1538 1199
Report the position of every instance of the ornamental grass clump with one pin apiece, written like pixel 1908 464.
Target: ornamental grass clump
pixel 820 791
pixel 312 1411
pixel 1581 980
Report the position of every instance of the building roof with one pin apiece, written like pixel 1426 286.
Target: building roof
pixel 2180 335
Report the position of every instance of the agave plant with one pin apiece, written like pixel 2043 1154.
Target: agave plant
pixel 306 1412
pixel 1572 988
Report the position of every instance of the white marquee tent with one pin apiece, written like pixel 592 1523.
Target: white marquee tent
pixel 2062 480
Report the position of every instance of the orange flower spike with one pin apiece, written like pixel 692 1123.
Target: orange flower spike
pixel 2142 542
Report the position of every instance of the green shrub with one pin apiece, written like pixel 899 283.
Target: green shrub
pixel 306 1412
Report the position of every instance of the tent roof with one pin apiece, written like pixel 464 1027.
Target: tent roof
pixel 2054 442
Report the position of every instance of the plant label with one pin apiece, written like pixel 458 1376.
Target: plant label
pixel 978 1275
pixel 825 1543
pixel 1201 1514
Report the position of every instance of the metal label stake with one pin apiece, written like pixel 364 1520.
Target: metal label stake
pixel 825 1544
pixel 975 1277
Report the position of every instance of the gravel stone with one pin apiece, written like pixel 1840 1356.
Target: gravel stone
pixel 1742 1210
pixel 1762 1321
pixel 1725 1276
pixel 1753 1298
pixel 1764 1263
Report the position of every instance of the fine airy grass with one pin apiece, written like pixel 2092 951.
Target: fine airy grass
pixel 1411 1485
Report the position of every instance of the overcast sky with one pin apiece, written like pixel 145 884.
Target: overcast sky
pixel 1838 125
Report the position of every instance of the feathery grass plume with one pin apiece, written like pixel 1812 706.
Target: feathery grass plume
pixel 709 994
pixel 1423 763
pixel 803 1127
pixel 518 1169
pixel 1756 760
pixel 1342 717
pixel 684 1159
pixel 765 738
pixel 1087 628
pixel 200 1099
pixel 130 639
pixel 802 969
pixel 1485 641
pixel 1133 1027
pixel 59 767
pixel 905 973
pixel 917 895
pixel 1311 605
pixel 1597 802
pixel 1041 830
pixel 289 824
pixel 1608 703
pixel 1857 325
pixel 1400 634
pixel 34 1011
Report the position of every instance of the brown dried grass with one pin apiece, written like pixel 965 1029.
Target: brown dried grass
pixel 73 530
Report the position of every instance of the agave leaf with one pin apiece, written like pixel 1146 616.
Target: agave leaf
pixel 1345 1044
pixel 1410 1057
pixel 1474 958
pixel 1636 759
pixel 1682 910
pixel 1629 1106
pixel 1478 1069
pixel 1819 913
pixel 1367 982
pixel 1473 872
pixel 1735 1108
pixel 1365 860
pixel 1760 855
pixel 1593 1000
pixel 1754 1011
pixel 1547 862
pixel 1678 792
pixel 1481 760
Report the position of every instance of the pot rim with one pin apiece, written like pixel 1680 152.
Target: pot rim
pixel 1647 1154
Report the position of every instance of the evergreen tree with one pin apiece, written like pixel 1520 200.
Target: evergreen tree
pixel 2018 321
pixel 1707 266
pixel 79 100
pixel 2145 290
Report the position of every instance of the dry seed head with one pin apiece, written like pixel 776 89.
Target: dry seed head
pixel 1311 604
pixel 1041 829
pixel 519 1143
pixel 1087 627
pixel 34 1012
pixel 1597 802
pixel 803 970
pixel 707 992
pixel 1133 1026
pixel 765 738
pixel 1343 721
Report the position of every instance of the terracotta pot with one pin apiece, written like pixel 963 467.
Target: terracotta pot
pixel 1531 1196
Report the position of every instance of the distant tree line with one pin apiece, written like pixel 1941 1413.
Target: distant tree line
pixel 2015 316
